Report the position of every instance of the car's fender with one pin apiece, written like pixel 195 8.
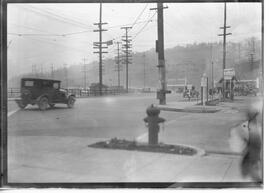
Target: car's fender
pixel 69 95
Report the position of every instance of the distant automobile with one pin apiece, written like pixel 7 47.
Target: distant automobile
pixel 44 93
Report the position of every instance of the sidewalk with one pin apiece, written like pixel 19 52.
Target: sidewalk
pixel 68 159
pixel 188 106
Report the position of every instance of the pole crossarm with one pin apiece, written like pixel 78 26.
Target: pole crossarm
pixel 98 30
pixel 100 23
pixel 225 27
pixel 157 8
pixel 100 47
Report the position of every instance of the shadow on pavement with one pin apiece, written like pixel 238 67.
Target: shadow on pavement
pixel 49 109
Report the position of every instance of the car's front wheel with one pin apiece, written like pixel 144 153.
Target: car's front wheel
pixel 71 101
pixel 43 103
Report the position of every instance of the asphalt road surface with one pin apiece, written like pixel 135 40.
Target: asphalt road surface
pixel 100 117
pixel 122 117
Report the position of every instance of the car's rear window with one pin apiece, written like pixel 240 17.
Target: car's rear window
pixel 28 83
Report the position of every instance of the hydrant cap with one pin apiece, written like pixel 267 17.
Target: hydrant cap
pixel 152 111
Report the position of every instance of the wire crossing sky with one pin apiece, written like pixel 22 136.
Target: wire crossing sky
pixel 63 33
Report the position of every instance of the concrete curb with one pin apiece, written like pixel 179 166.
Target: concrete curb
pixel 190 109
pixel 200 152
pixel 230 153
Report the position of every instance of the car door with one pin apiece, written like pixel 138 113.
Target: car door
pixel 58 94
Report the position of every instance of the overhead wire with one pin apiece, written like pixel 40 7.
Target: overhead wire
pixel 144 25
pixel 115 26
pixel 57 17
pixel 61 16
pixel 53 43
pixel 138 17
pixel 70 21
pixel 61 35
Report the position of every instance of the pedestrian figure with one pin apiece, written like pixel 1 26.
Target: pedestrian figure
pixel 247 139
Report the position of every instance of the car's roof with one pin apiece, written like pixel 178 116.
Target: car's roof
pixel 40 79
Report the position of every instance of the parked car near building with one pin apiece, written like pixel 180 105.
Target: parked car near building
pixel 44 93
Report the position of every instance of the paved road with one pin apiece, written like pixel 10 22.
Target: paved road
pixel 122 117
pixel 104 117
pixel 51 146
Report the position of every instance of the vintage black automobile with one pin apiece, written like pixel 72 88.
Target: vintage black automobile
pixel 44 93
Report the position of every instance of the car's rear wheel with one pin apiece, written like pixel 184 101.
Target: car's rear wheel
pixel 43 103
pixel 71 101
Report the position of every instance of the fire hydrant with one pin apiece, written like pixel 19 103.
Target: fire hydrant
pixel 152 120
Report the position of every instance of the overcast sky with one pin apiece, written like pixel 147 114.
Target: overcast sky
pixel 63 33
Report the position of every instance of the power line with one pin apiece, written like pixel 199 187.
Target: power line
pixel 27 27
pixel 59 18
pixel 78 20
pixel 138 17
pixel 22 34
pixel 60 35
pixel 127 24
pixel 54 43
pixel 144 26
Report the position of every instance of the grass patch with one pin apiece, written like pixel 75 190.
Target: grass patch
pixel 135 146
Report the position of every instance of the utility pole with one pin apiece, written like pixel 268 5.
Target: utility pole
pixel 237 73
pixel 144 71
pixel 252 52
pixel 118 67
pixel 212 71
pixel 52 71
pixel 100 47
pixel 160 50
pixel 41 70
pixel 84 73
pixel 34 70
pixel 126 49
pixel 66 74
pixel 224 45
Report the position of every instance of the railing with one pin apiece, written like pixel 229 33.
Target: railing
pixel 15 92
pixel 89 92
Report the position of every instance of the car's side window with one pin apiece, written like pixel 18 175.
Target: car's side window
pixel 47 84
pixel 29 83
